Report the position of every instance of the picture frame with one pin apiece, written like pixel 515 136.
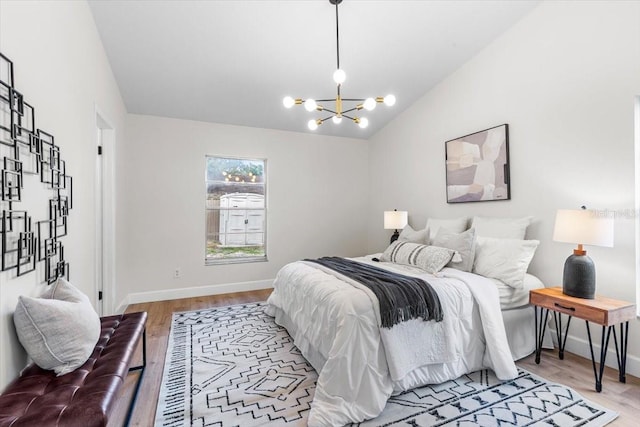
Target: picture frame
pixel 477 166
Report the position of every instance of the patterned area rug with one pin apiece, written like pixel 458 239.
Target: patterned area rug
pixel 233 366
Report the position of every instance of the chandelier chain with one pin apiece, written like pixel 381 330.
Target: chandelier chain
pixel 337 40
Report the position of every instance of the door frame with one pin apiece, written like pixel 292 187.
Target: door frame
pixel 108 139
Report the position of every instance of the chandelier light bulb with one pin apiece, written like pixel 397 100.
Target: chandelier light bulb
pixel 310 105
pixel 363 122
pixel 312 124
pixel 339 76
pixel 337 119
pixel 389 100
pixel 369 104
pixel 288 102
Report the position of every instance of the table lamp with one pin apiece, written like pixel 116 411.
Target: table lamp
pixel 393 220
pixel 583 227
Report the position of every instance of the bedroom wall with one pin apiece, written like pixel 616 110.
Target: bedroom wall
pixel 564 78
pixel 315 196
pixel 61 69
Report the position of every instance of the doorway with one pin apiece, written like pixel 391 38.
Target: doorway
pixel 637 196
pixel 104 215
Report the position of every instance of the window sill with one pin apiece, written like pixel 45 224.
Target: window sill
pixel 239 260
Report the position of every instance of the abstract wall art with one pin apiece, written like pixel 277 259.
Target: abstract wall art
pixel 477 166
pixel 28 153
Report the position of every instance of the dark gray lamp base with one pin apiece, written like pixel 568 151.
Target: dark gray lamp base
pixel 579 278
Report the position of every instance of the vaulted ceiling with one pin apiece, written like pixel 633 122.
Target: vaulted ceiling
pixel 233 61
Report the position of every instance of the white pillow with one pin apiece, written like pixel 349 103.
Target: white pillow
pixel 464 243
pixel 429 258
pixel 408 234
pixel 501 228
pixel 60 329
pixel 504 259
pixel 456 225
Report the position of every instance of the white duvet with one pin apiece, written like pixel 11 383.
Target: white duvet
pixel 335 323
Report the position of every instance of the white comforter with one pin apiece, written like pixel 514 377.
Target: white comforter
pixel 335 324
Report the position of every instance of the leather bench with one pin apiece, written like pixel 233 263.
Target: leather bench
pixel 86 396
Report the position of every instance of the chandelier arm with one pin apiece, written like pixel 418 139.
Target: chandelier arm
pixel 354 99
pixel 349 110
pixel 325 119
pixel 326 100
pixel 330 111
pixel 348 117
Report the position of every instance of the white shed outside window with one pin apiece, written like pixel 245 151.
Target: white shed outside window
pixel 241 219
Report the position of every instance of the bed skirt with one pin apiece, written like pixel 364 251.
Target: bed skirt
pixel 519 324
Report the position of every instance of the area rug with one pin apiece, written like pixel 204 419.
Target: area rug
pixel 233 366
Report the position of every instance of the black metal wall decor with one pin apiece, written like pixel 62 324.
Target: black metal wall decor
pixel 26 150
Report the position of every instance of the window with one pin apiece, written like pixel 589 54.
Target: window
pixel 236 210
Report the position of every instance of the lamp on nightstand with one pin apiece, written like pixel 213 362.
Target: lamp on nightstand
pixel 393 220
pixel 583 227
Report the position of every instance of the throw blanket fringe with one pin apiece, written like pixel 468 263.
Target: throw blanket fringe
pixel 400 297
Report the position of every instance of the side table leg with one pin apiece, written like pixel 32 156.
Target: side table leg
pixel 557 318
pixel 606 332
pixel 541 327
pixel 621 354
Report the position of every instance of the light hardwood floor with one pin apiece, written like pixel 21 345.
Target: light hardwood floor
pixel 574 371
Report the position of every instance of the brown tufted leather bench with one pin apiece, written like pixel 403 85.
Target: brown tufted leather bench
pixel 86 396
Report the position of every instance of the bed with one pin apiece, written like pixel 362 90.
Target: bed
pixel 335 323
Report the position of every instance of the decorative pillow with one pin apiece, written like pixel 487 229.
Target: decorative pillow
pixel 408 234
pixel 59 330
pixel 501 228
pixel 429 258
pixel 456 225
pixel 64 291
pixel 504 259
pixel 464 243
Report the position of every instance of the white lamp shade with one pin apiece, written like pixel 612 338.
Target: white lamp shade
pixel 395 220
pixel 583 227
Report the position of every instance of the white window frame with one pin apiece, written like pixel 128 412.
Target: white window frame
pixel 209 208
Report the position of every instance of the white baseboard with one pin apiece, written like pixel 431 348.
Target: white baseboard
pixel 580 347
pixel 196 291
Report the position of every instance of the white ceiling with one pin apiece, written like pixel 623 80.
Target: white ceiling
pixel 233 61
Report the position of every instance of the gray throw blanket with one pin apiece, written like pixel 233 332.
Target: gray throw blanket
pixel 401 297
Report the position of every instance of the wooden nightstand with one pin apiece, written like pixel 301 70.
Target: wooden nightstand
pixel 603 311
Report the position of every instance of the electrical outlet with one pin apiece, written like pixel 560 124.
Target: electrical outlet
pixel 177 273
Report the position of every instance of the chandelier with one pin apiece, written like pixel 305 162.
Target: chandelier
pixel 341 110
